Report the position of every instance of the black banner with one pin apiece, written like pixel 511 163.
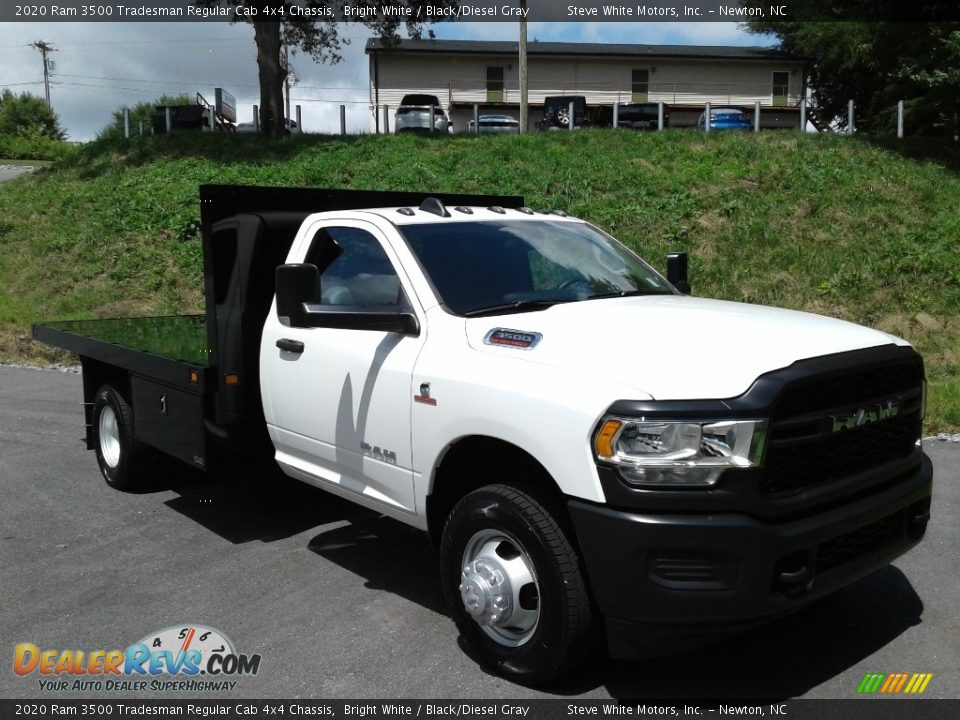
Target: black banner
pixel 478 11
pixel 872 709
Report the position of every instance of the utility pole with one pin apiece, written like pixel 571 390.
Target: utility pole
pixel 44 48
pixel 524 109
pixel 286 79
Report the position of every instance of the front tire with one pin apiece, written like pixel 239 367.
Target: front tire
pixel 513 583
pixel 114 441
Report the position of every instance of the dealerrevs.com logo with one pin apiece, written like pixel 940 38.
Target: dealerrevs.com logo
pixel 186 658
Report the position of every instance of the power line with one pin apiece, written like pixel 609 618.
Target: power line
pixel 202 82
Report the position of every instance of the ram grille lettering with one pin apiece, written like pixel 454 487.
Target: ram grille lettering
pixel 865 415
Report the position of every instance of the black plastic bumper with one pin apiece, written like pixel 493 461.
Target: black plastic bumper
pixel 703 574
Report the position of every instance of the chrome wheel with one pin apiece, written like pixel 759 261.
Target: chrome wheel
pixel 498 587
pixel 109 437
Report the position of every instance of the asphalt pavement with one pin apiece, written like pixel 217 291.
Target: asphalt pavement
pixel 9 172
pixel 342 603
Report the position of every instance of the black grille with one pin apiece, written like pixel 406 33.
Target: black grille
pixel 804 451
pixel 849 388
pixel 828 458
pixel 847 547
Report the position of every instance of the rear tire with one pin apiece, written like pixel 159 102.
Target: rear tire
pixel 114 442
pixel 514 586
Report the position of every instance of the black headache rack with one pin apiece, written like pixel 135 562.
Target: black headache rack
pixel 195 378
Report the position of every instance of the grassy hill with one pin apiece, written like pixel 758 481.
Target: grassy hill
pixel 833 225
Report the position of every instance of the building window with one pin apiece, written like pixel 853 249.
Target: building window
pixel 781 88
pixel 640 86
pixel 494 84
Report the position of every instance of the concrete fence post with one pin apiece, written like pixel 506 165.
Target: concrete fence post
pixel 256 119
pixel 168 113
pixel 386 119
pixel 476 118
pixel 660 116
pixel 126 122
pixel 616 114
pixel 299 112
pixel 343 119
pixel 803 115
pixel 706 117
pixel 141 128
pixel 213 118
pixel 900 119
pixel 570 116
pixel 851 125
pixel 756 116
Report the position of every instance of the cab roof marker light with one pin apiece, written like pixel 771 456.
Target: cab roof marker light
pixel 497 209
pixel 434 206
pixel 464 210
pixel 525 210
pixel 406 211
pixel 559 213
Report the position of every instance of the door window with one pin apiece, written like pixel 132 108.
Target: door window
pixel 354 269
pixel 781 88
pixel 495 84
pixel 640 87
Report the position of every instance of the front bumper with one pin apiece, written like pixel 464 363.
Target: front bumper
pixel 700 573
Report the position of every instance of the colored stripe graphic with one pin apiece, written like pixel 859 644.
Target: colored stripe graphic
pixel 894 683
pixel 870 683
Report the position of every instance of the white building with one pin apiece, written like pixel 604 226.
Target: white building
pixel 462 73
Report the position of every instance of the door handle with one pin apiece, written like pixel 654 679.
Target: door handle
pixel 294 346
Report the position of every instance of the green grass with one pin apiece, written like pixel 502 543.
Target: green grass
pixel 834 225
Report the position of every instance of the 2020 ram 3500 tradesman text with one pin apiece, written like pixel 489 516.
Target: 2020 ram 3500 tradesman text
pixel 595 452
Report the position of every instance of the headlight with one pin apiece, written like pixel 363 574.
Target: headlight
pixel 679 452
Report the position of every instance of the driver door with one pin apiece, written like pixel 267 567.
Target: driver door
pixel 338 410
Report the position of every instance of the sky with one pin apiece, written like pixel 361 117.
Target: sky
pixel 100 67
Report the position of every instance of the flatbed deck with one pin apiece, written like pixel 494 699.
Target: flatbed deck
pixel 170 349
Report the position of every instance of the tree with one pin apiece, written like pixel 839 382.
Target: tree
pixel 27 114
pixel 320 38
pixel 877 63
pixel 141 112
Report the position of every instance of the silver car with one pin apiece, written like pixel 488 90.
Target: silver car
pixel 495 124
pixel 413 115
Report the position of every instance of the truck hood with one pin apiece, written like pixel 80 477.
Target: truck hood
pixel 673 347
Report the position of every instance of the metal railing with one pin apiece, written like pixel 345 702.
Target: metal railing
pixel 468 91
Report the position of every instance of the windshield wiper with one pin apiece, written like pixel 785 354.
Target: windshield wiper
pixel 512 307
pixel 623 293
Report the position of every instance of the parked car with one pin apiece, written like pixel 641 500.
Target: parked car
pixel 495 124
pixel 556 111
pixel 638 116
pixel 726 118
pixel 250 127
pixel 413 115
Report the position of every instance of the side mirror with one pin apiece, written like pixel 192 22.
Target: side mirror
pixel 296 285
pixel 298 305
pixel 677 271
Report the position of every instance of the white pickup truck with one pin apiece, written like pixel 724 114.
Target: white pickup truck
pixel 597 455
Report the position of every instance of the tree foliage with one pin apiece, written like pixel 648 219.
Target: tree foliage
pixel 877 63
pixel 320 38
pixel 141 112
pixel 28 115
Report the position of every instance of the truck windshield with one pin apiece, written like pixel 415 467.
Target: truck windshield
pixel 516 266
